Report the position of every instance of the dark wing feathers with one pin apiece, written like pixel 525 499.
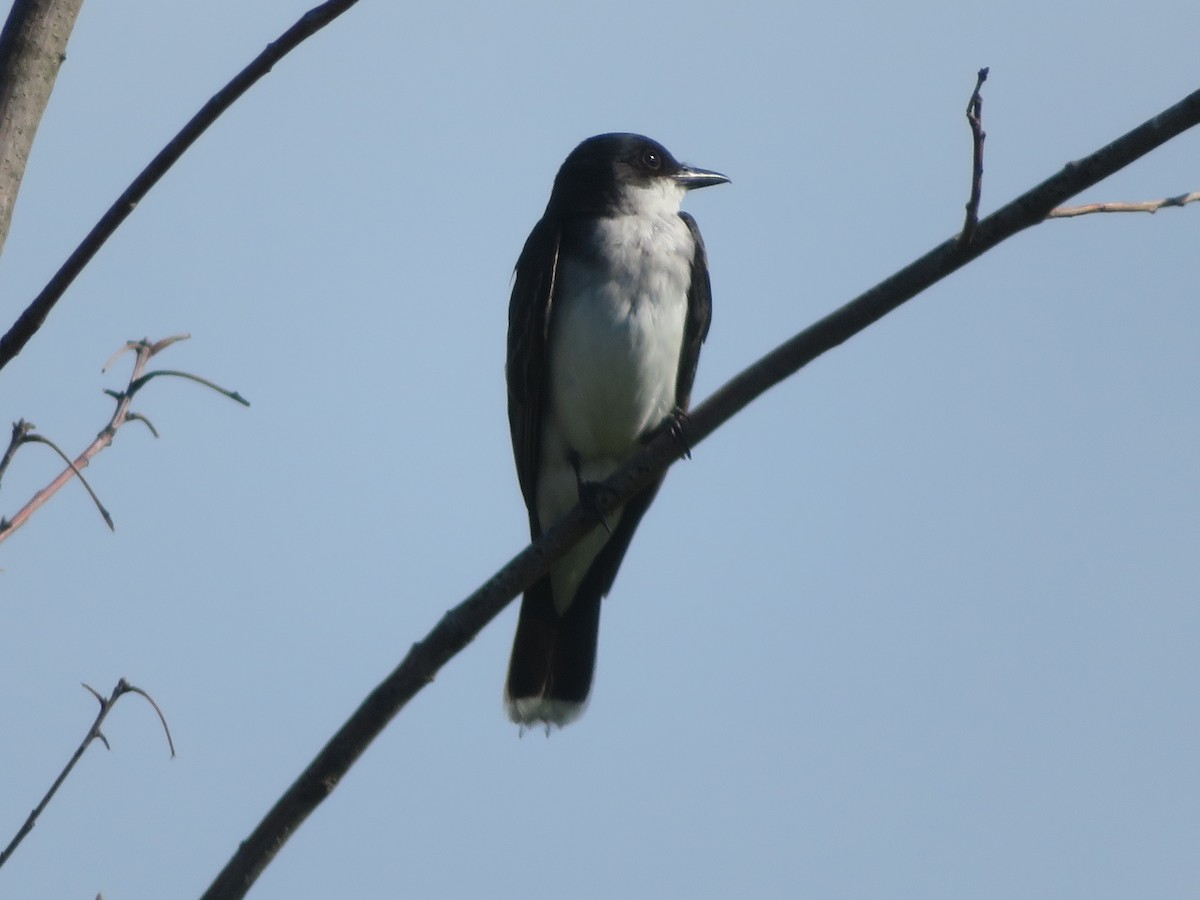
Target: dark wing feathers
pixel 699 317
pixel 528 323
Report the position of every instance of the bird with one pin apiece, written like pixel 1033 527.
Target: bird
pixel 611 301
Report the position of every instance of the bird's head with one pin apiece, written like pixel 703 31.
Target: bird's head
pixel 611 174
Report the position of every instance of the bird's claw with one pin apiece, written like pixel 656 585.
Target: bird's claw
pixel 673 424
pixel 591 494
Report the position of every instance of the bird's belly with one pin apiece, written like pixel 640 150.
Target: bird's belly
pixel 615 365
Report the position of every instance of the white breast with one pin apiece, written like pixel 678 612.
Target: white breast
pixel 616 335
pixel 617 332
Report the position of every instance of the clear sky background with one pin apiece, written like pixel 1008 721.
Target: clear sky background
pixel 921 623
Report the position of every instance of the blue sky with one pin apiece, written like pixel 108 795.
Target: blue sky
pixel 921 623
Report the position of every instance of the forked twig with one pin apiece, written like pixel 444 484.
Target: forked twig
pixel 22 432
pixel 94 734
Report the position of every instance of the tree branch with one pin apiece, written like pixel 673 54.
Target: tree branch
pixel 94 734
pixel 975 120
pixel 22 431
pixel 33 46
pixel 35 314
pixel 1148 206
pixel 460 625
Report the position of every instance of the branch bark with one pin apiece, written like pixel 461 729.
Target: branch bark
pixel 459 626
pixel 33 46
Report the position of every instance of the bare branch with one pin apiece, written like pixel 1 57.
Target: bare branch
pixel 93 734
pixel 460 625
pixel 35 314
pixel 33 46
pixel 975 120
pixel 144 351
pixel 1149 206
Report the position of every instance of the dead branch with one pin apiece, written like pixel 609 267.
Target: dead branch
pixel 1148 206
pixel 94 734
pixel 22 432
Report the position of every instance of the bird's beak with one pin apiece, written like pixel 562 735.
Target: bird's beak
pixel 690 178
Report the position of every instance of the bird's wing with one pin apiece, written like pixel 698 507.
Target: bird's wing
pixel 699 317
pixel 527 366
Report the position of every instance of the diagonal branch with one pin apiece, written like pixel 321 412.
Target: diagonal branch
pixel 459 626
pixel 35 314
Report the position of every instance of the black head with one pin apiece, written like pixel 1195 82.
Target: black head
pixel 604 173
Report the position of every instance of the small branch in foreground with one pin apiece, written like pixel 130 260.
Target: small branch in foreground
pixel 35 314
pixel 1149 206
pixel 94 734
pixel 460 625
pixel 978 136
pixel 144 351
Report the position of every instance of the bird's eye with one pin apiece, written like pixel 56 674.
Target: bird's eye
pixel 651 159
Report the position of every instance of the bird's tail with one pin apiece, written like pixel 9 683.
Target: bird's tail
pixel 553 658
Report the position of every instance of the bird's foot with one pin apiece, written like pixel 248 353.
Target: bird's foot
pixel 592 495
pixel 674 424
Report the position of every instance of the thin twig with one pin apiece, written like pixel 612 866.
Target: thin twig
pixel 460 625
pixel 19 430
pixel 138 383
pixel 161 718
pixel 975 120
pixel 143 351
pixel 35 314
pixel 1149 206
pixel 138 417
pixel 93 734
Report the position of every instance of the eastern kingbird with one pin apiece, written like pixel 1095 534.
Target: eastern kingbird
pixel 610 303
